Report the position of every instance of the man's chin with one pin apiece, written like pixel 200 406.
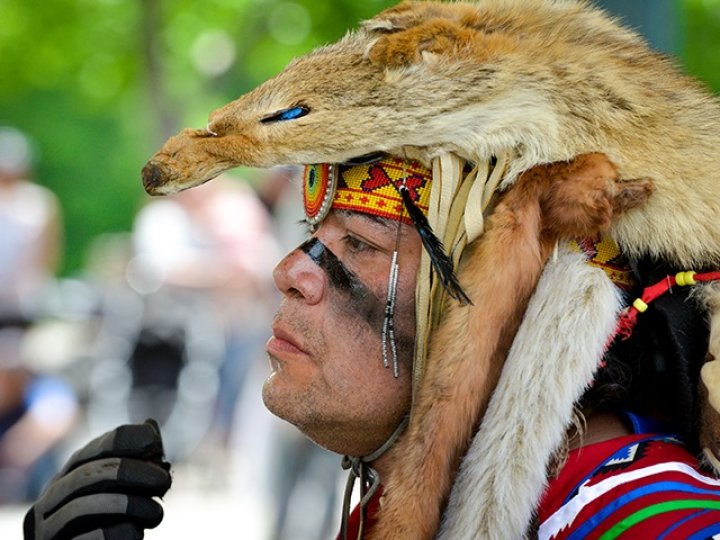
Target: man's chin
pixel 277 401
pixel 268 394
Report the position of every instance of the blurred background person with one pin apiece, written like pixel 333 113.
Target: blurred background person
pixel 30 233
pixel 203 259
pixel 36 410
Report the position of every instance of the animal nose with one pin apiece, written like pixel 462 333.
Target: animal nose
pixel 152 177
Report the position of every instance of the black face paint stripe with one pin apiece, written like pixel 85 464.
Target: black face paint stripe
pixel 340 277
pixel 362 302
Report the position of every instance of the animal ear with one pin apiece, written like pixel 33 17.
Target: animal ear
pixel 401 17
pixel 407 47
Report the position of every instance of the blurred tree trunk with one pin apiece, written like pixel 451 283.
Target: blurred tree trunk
pixel 151 26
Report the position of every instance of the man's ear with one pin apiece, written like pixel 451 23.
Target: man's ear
pixel 709 395
pixel 710 385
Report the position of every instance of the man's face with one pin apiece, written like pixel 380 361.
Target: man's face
pixel 327 375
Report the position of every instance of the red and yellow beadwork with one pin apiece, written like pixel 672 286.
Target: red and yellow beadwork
pixel 604 253
pixel 319 184
pixel 371 188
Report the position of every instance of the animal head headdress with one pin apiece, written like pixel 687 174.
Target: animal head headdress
pixel 552 132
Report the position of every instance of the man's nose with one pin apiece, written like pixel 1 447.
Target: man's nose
pixel 297 275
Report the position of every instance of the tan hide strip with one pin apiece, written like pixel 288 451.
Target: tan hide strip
pixel 456 215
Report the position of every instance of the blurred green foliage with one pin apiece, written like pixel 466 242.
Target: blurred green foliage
pixel 701 45
pixel 100 84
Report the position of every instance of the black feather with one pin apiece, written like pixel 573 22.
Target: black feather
pixel 440 261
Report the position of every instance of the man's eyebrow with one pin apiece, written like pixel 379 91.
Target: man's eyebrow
pixel 385 222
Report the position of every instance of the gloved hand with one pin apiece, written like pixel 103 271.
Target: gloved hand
pixel 106 489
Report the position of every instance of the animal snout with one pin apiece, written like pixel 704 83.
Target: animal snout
pixel 153 177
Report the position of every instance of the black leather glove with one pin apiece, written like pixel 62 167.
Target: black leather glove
pixel 106 489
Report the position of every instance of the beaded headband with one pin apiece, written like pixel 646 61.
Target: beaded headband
pixel 371 188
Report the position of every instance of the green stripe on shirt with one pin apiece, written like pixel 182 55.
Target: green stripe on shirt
pixel 656 509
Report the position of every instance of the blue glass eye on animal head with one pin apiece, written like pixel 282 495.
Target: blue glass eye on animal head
pixel 284 115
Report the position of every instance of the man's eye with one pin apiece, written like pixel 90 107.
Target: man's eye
pixel 355 245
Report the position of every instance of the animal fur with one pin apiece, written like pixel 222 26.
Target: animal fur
pixel 503 471
pixel 550 80
pixel 548 203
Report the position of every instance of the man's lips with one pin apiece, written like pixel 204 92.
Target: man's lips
pixel 283 343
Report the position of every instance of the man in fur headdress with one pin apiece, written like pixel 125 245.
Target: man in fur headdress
pixel 506 315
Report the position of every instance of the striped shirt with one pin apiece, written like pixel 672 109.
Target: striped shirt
pixel 642 486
